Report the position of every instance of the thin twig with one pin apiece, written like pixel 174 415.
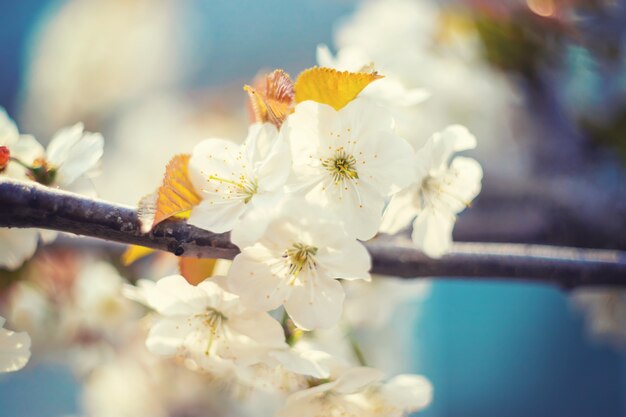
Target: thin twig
pixel 32 205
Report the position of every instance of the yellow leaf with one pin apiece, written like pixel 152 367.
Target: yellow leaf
pixel 196 270
pixel 175 197
pixel 332 87
pixel 271 97
pixel 134 253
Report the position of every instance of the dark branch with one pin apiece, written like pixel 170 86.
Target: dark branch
pixel 31 205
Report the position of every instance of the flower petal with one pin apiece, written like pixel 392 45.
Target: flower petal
pixel 316 304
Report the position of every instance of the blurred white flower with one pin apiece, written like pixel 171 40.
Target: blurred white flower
pixel 69 161
pixel 371 304
pixel 99 304
pixel 234 179
pixel 438 48
pixel 445 189
pixel 348 161
pixel 209 326
pixel 388 89
pixel 14 349
pixel 605 313
pixel 359 392
pixel 90 58
pixel 294 261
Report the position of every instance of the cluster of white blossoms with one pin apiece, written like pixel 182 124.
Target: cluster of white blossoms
pixel 321 170
pixel 68 163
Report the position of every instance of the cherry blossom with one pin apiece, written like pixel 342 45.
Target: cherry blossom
pixel 233 179
pixel 359 392
pixel 293 261
pixel 445 189
pixel 348 161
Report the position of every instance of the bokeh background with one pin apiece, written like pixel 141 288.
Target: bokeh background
pixel 542 83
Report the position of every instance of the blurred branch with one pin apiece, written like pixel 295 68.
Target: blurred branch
pixel 32 205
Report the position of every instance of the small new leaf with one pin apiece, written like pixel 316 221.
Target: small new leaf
pixel 332 87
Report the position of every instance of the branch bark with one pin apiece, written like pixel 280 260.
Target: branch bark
pixel 32 205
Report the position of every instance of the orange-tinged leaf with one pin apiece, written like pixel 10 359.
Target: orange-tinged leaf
pixel 332 87
pixel 134 253
pixel 175 197
pixel 196 270
pixel 271 97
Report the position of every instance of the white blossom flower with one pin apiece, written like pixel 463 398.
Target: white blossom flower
pixel 14 349
pixel 293 260
pixel 348 161
pixel 209 326
pixel 446 188
pixel 69 161
pixel 234 179
pixel 359 392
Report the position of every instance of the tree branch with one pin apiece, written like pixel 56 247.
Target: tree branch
pixel 32 205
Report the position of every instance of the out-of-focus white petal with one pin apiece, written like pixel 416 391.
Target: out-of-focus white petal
pixel 355 379
pixel 409 393
pixel 16 246
pixel 27 149
pixel 167 336
pixel 173 295
pixel 14 349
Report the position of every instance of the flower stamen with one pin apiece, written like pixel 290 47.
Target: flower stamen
pixel 299 257
pixel 341 167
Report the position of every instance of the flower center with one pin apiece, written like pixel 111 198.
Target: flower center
pixel 341 167
pixel 300 257
pixel 244 188
pixel 43 172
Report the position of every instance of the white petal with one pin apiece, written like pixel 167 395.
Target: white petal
pixel 256 284
pixel 387 161
pixel 316 304
pixel 173 295
pixel 348 261
pixel 408 393
pixel 14 350
pixel 275 168
pixel 16 246
pixel 365 116
pixel 167 336
pixel 400 211
pixel 80 159
pixel 251 226
pixel 442 145
pixel 309 362
pixel 217 216
pixel 27 149
pixel 356 379
pixel 62 142
pixel 432 232
pixel 306 129
pixel 463 182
